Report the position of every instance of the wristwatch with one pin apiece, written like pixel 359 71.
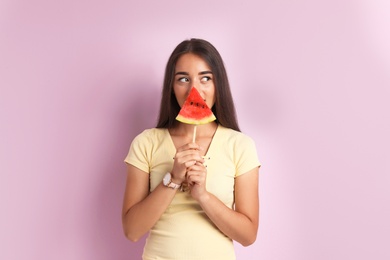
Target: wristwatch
pixel 167 181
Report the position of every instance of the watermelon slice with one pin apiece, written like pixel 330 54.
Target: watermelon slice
pixel 195 110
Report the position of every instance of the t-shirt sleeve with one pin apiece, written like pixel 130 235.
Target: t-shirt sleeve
pixel 246 155
pixel 138 155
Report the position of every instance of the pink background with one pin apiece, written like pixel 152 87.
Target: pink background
pixel 79 79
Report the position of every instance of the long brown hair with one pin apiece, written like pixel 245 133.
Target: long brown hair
pixel 223 108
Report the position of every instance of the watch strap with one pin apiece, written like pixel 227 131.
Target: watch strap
pixel 167 181
pixel 173 185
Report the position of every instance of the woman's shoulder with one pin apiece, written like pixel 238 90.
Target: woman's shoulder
pixel 151 133
pixel 231 134
pixel 149 137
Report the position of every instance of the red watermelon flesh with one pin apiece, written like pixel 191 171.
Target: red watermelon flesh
pixel 195 110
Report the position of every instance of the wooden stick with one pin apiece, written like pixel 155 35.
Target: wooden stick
pixel 193 137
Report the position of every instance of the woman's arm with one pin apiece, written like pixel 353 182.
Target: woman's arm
pixel 141 210
pixel 240 224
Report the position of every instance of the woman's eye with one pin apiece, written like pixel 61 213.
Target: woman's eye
pixel 183 80
pixel 205 79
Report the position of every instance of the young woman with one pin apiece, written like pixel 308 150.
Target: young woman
pixel 193 198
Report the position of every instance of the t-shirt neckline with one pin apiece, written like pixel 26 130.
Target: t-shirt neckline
pixel 210 148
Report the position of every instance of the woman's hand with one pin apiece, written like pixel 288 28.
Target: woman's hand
pixel 186 156
pixel 196 178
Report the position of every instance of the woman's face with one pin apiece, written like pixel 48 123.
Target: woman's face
pixel 192 71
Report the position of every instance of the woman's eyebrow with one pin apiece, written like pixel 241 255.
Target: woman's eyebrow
pixel 200 73
pixel 182 73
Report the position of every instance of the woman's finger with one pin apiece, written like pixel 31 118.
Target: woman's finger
pixel 190 146
pixel 183 158
pixel 196 176
pixel 198 166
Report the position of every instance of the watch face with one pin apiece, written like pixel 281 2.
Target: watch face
pixel 167 178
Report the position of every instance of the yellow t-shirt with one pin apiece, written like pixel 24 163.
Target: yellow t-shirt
pixel 184 231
